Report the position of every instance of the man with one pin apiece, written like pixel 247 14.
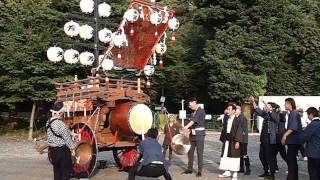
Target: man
pixel 304 123
pixel 267 138
pixel 311 135
pixel 152 162
pixel 281 130
pixel 196 136
pixel 291 138
pixel 244 145
pixel 60 143
pixel 231 137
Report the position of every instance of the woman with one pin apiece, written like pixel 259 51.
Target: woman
pixel 170 129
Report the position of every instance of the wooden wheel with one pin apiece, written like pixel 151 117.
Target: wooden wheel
pixel 126 158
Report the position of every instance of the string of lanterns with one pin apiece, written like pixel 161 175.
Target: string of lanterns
pixel 73 29
pixel 117 39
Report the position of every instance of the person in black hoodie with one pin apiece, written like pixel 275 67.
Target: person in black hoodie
pixel 281 130
pixel 267 137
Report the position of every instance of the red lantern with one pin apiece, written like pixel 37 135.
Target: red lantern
pixel 107 82
pixel 161 64
pixel 173 38
pixel 148 84
pixel 131 32
pixel 119 55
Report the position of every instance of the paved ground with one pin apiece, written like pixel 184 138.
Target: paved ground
pixel 19 161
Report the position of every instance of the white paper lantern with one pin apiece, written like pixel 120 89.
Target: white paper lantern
pixel 118 40
pixel 161 48
pixel 86 58
pixel 71 56
pixel 86 32
pixel 173 24
pixel 107 63
pixel 71 28
pixel 105 35
pixel 104 10
pixel 87 6
pixel 131 15
pixel 155 18
pixel 148 70
pixel 55 54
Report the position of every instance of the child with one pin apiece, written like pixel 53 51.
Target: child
pixel 170 129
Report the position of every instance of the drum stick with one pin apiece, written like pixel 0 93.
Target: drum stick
pixel 142 131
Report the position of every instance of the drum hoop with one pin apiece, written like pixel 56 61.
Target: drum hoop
pixel 129 119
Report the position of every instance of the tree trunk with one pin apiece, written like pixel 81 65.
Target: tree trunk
pixel 32 120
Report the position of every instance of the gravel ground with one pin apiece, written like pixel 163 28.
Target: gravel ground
pixel 19 161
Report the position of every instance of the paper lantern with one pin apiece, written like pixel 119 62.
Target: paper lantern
pixel 173 24
pixel 118 40
pixel 71 28
pixel 105 35
pixel 86 32
pixel 161 48
pixel 55 54
pixel 148 70
pixel 104 10
pixel 86 58
pixel 71 56
pixel 107 63
pixel 131 15
pixel 155 18
pixel 87 6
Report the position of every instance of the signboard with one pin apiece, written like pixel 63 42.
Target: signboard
pixel 182 114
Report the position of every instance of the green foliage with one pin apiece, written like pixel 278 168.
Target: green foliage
pixel 226 50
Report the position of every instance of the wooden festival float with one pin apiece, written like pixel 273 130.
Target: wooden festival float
pixel 107 114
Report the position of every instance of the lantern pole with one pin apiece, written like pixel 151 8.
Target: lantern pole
pixel 96 37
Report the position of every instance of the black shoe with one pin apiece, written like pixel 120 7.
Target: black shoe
pixel 248 171
pixel 241 170
pixel 264 174
pixel 199 174
pixel 188 171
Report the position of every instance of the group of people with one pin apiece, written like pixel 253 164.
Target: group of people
pixel 281 132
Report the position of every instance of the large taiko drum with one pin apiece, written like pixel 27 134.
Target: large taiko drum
pixel 131 119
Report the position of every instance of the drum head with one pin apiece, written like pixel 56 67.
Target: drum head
pixel 85 159
pixel 140 119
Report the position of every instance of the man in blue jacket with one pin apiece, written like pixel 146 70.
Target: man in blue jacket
pixel 291 138
pixel 311 135
pixel 152 162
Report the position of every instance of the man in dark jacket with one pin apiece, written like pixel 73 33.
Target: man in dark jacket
pixel 311 135
pixel 196 135
pixel 291 138
pixel 244 159
pixel 267 138
pixel 281 130
pixel 152 162
pixel 231 137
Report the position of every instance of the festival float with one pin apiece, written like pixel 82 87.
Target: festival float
pixel 106 113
